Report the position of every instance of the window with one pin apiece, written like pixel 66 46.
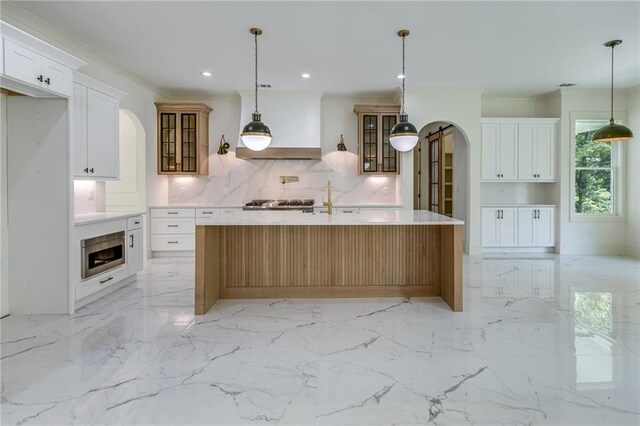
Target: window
pixel 595 173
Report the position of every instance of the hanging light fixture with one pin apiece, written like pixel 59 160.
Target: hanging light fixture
pixel 223 148
pixel 341 145
pixel 612 132
pixel 403 135
pixel 256 135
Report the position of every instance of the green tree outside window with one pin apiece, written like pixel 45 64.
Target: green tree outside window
pixel 593 175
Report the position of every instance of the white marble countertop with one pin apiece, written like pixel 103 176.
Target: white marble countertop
pixel 85 219
pixel 316 206
pixel 518 205
pixel 380 217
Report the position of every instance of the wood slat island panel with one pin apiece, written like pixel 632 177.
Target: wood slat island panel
pixel 254 261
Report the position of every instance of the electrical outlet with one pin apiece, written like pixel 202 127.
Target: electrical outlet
pixel 385 190
pixel 226 191
pixel 183 191
pixel 91 194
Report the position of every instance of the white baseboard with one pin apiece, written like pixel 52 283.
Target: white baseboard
pixel 517 250
pixel 604 249
pixel 633 251
pixel 95 296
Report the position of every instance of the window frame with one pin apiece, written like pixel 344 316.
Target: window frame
pixel 617 178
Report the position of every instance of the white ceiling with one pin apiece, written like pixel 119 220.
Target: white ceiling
pixel 351 47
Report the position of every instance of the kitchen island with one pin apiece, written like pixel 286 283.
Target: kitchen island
pixel 257 255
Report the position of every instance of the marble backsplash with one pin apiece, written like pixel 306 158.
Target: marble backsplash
pixel 233 181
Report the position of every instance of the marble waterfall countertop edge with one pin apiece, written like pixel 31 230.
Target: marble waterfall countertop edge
pixel 380 217
pixel 88 218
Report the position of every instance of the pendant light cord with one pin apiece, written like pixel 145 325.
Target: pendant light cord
pixel 405 76
pixel 612 47
pixel 256 70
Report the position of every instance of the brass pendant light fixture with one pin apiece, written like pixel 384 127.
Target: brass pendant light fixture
pixel 223 148
pixel 403 136
pixel 612 132
pixel 256 135
pixel 341 146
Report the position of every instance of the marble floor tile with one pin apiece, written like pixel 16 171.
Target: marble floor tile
pixel 550 340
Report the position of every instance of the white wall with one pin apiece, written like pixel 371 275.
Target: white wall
pixel 633 173
pixel 515 106
pixel 88 197
pixel 603 237
pixel 461 107
pixel 4 230
pixel 233 181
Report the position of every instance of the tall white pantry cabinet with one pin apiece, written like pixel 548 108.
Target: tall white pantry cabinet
pixel 519 150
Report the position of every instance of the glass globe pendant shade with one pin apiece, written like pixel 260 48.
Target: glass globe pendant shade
pixel 256 135
pixel 403 136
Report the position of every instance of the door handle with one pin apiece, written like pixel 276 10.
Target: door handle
pixel 91 170
pixel 86 170
pixel 40 78
pixel 48 80
pixel 131 245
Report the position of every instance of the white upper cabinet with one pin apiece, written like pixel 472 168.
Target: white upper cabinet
pixel 518 149
pixel 33 67
pixel 537 149
pixel 499 151
pixel 95 139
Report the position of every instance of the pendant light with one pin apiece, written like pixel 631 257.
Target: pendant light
pixel 256 135
pixel 612 132
pixel 403 135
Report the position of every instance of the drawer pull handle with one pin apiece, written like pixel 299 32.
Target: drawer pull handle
pixel 207 212
pixel 172 242
pixel 172 226
pixel 104 281
pixel 172 212
pixel 137 222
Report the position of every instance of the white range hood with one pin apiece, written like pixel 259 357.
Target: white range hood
pixel 294 120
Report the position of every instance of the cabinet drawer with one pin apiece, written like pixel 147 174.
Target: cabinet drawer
pixel 204 213
pixel 173 226
pixel 97 283
pixel 173 242
pixel 347 210
pixel 173 213
pixel 134 223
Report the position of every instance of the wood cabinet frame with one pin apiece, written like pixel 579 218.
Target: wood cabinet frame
pixel 201 112
pixel 379 111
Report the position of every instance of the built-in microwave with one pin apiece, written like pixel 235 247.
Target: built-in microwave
pixel 102 253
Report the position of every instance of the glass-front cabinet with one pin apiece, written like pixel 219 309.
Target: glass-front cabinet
pixel 376 155
pixel 183 139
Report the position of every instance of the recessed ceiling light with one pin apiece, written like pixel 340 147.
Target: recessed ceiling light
pixel 400 76
pixel 206 74
pixel 306 75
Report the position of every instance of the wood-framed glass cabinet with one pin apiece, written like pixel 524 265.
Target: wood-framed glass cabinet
pixel 375 153
pixel 183 139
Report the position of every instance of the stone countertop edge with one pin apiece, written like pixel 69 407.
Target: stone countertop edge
pixel 274 218
pixel 88 218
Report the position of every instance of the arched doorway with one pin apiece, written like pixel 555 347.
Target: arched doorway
pixel 441 172
pixel 128 194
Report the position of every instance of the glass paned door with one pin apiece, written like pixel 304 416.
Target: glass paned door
pixel 370 141
pixel 168 158
pixel 389 154
pixel 434 173
pixel 189 142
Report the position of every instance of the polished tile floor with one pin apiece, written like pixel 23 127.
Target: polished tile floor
pixel 548 340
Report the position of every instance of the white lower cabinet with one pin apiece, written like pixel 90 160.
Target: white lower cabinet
pixel 174 229
pixel 536 227
pixel 134 251
pixel 499 227
pixel 527 226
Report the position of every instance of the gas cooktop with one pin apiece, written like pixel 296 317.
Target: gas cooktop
pixel 304 205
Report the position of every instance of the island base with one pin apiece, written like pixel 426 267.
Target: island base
pixel 307 261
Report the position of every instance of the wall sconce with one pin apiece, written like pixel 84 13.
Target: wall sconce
pixel 341 145
pixel 224 146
